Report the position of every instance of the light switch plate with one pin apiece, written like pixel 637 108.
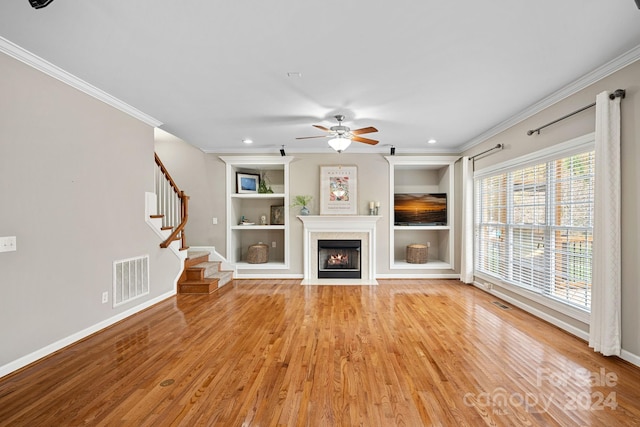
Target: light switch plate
pixel 8 244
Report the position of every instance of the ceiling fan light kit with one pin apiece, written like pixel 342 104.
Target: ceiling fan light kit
pixel 342 136
pixel 340 144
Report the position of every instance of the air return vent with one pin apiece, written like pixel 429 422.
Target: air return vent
pixel 501 305
pixel 130 279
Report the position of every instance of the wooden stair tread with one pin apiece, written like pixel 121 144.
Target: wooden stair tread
pixel 200 282
pixel 201 276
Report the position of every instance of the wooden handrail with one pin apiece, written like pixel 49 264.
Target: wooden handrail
pixel 184 208
pixel 179 229
pixel 166 173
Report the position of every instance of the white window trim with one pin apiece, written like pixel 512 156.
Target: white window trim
pixel 564 149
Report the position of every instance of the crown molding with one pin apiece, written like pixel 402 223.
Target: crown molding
pixel 583 82
pixel 23 55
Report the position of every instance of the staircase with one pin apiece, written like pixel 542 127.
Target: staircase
pixel 201 276
pixel 168 217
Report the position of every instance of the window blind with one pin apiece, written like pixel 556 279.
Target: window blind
pixel 534 227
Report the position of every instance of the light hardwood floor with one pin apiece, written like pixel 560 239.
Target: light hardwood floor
pixel 274 353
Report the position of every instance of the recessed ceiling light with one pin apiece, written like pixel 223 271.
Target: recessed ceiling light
pixel 431 141
pixel 247 141
pixel 294 74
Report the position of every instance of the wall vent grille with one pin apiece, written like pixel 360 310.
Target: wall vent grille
pixel 130 279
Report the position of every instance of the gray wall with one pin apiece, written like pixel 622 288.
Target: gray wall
pixel 517 143
pixel 73 177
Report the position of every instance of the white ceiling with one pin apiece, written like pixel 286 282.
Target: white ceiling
pixel 215 72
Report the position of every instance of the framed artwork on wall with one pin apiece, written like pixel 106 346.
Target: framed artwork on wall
pixel 338 190
pixel 247 182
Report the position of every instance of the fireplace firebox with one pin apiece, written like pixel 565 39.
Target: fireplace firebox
pixel 339 259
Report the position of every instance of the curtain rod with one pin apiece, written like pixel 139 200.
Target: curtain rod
pixel 618 93
pixel 498 146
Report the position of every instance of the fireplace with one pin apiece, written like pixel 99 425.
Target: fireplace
pixel 339 227
pixel 339 259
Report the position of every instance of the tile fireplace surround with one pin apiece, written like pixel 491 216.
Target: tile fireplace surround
pixel 339 227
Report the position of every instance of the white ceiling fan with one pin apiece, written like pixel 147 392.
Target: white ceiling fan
pixel 342 135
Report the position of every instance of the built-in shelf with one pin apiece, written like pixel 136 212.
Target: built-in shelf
pixel 257 196
pixel 421 227
pixel 252 206
pixel 271 265
pixel 257 227
pixel 422 174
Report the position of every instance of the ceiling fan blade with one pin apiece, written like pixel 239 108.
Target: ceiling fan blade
pixel 365 140
pixel 369 129
pixel 309 137
pixel 321 128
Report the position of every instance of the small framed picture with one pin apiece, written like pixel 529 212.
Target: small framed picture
pixel 277 215
pixel 247 182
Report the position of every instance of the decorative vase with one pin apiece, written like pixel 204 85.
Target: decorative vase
pixel 304 211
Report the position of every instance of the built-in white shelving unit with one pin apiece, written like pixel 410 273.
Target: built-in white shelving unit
pixel 422 174
pixel 252 206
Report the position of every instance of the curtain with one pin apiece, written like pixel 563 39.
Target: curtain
pixel 466 258
pixel 605 331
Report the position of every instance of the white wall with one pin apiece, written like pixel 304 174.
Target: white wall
pixel 73 177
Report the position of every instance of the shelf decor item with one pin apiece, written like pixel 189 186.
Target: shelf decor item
pixel 258 253
pixel 417 254
pixel 338 190
pixel 302 201
pixel 264 188
pixel 277 215
pixel 247 182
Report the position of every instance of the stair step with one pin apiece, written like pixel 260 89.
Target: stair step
pixel 202 270
pixel 194 258
pixel 198 286
pixel 225 276
pixel 202 276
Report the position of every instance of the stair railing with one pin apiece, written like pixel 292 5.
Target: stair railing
pixel 173 205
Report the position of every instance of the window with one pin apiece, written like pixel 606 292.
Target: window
pixel 534 224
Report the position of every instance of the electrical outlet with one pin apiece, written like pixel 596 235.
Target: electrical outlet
pixel 215 221
pixel 8 244
pixel 428 244
pixel 273 244
pixel 105 297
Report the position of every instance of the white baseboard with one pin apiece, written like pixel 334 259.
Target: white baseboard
pixel 417 276
pixel 630 357
pixel 58 345
pixel 269 276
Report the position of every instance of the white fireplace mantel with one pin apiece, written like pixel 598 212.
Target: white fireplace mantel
pixel 322 226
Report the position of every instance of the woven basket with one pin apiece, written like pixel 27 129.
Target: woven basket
pixel 417 254
pixel 258 253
